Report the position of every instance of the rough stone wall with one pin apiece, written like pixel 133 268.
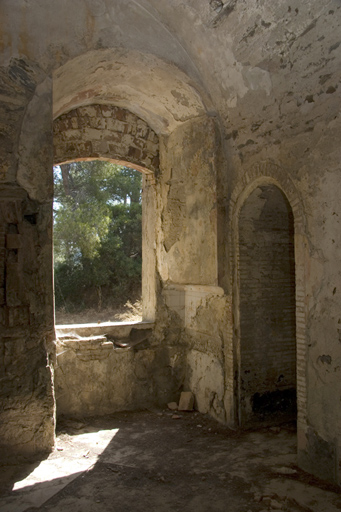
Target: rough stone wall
pixel 267 307
pixel 94 377
pixel 26 392
pixel 26 304
pixel 202 316
pixel 105 131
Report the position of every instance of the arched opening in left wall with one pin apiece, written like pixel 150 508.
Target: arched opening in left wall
pixel 97 242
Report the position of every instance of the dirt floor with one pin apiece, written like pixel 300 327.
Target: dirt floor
pixel 166 461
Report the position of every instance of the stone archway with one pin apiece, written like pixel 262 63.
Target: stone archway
pixel 112 133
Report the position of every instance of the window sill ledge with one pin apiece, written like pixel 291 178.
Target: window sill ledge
pixel 111 329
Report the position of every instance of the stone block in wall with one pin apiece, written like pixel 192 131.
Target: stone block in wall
pixel 70 135
pixel 11 211
pixel 123 115
pixel 14 291
pixel 174 297
pixel 115 125
pixel 18 316
pixel 100 146
pixel 106 110
pixel 74 122
pixel 13 241
pixel 83 121
pixel 205 376
pixel 98 123
pixel 152 147
pixel 142 129
pixel 93 134
pixel 88 110
pixel 134 153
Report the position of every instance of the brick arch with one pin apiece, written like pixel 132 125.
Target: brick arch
pixel 106 132
pixel 268 173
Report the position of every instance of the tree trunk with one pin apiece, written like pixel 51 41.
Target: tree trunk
pixel 99 298
pixel 66 178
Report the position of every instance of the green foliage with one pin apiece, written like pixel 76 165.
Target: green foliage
pixel 97 234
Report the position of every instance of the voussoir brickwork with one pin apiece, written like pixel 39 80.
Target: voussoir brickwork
pixel 108 132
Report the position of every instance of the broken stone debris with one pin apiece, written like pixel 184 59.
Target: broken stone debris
pixel 173 406
pixel 274 504
pixel 136 337
pixel 186 402
pixel 74 424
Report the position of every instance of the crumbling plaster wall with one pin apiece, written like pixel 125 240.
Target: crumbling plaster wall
pixel 298 125
pixel 187 262
pixel 186 190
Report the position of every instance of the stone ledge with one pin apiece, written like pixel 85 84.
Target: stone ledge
pixel 114 329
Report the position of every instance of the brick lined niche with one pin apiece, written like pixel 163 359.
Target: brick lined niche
pixel 107 132
pixel 267 308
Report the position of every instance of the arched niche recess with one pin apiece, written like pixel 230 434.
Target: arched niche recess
pixel 266 274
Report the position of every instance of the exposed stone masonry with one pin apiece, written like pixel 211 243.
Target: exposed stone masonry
pixel 105 131
pixel 25 348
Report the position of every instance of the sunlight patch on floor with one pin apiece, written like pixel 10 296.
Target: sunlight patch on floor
pixel 93 444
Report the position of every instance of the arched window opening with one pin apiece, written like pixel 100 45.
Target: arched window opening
pixel 97 242
pixel 267 384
